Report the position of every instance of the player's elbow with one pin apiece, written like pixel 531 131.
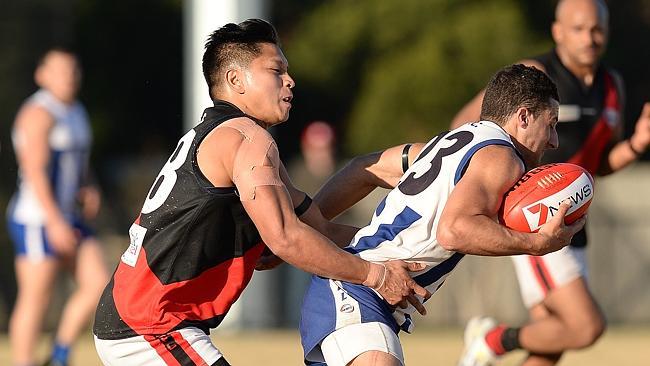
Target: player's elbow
pixel 362 167
pixel 372 171
pixel 278 245
pixel 284 240
pixel 449 236
pixel 278 240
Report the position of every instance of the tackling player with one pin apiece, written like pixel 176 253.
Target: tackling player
pixel 221 193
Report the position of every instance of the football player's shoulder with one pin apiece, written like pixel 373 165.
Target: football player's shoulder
pixel 499 161
pixel 227 137
pixel 32 116
pixel 247 127
pixel 218 143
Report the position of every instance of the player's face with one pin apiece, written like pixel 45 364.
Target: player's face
pixel 541 134
pixel 580 33
pixel 60 74
pixel 268 86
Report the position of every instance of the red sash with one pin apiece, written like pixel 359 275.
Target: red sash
pixel 590 154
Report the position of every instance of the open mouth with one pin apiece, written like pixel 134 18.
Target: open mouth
pixel 288 100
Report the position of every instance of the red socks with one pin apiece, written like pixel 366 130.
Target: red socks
pixel 502 339
pixel 493 339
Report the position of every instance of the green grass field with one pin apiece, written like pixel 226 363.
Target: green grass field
pixel 620 346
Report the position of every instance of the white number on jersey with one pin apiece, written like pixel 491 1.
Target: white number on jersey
pixel 167 177
pixel 411 185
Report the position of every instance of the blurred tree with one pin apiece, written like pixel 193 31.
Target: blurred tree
pixel 400 70
pixel 132 58
pixel 392 71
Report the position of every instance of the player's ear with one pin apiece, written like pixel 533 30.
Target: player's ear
pixel 235 80
pixel 556 32
pixel 40 76
pixel 523 115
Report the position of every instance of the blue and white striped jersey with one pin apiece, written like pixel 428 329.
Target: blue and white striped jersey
pixel 69 141
pixel 405 223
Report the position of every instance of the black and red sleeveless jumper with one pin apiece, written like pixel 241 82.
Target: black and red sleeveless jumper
pixel 586 132
pixel 192 249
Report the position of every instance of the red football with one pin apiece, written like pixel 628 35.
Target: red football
pixel 536 197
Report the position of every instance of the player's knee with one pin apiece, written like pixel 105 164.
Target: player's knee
pixel 597 328
pixel 92 290
pixel 589 332
pixel 94 283
pixel 33 294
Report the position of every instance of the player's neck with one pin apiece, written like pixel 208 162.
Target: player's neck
pixel 242 105
pixel 584 73
pixel 63 98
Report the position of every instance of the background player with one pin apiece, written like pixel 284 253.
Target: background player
pixel 563 313
pixel 52 140
pixel 222 191
pixel 443 207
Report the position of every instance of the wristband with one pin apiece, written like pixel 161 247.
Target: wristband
pixel 303 206
pixel 376 276
pixel 405 158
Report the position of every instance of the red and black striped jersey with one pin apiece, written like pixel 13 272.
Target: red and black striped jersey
pixel 192 251
pixel 588 115
pixel 588 119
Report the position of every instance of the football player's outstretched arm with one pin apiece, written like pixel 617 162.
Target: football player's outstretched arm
pixel 628 151
pixel 340 234
pixel 268 203
pixel 361 176
pixel 468 222
pixel 302 246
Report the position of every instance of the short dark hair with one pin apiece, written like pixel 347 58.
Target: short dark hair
pixel 238 43
pixel 514 87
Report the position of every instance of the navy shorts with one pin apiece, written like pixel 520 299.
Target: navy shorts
pixel 329 305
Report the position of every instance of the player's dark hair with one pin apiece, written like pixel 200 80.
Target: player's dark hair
pixel 514 87
pixel 234 43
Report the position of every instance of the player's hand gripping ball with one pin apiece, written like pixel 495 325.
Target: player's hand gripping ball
pixel 536 197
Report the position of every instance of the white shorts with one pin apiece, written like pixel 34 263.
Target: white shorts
pixel 345 344
pixel 187 346
pixel 538 276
